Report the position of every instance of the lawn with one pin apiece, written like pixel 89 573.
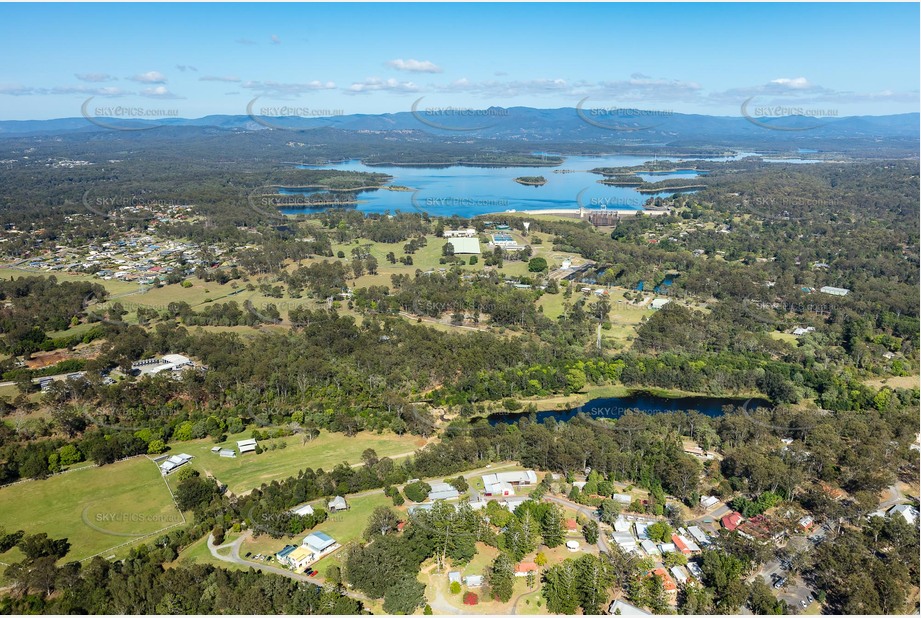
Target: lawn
pixel 345 526
pixel 249 471
pixel 438 592
pixel 198 552
pixel 96 508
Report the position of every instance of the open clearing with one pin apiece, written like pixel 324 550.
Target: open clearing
pixel 895 382
pixel 95 508
pixel 250 471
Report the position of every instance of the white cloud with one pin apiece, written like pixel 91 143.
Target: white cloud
pixel 276 40
pixel 497 89
pixel 159 92
pixel 796 83
pixel 277 88
pixel 94 77
pixel 17 90
pixel 186 67
pixel 640 88
pixel 217 78
pixel 375 84
pixel 414 66
pixel 150 77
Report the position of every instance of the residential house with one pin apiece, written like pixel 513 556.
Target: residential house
pixel 680 545
pixel 668 583
pixel 492 482
pixel 282 556
pixel 523 568
pixel 337 504
pixel 320 544
pixel 709 501
pixel 649 547
pixel 299 558
pixel 731 521
pixel 680 574
pixel 442 491
pixel 908 512
pixel 622 608
pixel 303 510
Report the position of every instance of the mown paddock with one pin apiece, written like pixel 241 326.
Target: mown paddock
pixel 96 508
pixel 249 471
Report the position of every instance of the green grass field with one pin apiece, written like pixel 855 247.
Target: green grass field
pixel 345 527
pixel 96 508
pixel 249 471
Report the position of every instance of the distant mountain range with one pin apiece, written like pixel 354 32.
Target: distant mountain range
pixel 528 124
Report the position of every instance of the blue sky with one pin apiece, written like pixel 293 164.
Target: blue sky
pixel 199 59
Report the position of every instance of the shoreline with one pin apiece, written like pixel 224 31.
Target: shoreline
pixel 625 212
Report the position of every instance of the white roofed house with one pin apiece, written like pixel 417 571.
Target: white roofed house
pixel 699 535
pixel 303 510
pixel 499 482
pixel 680 574
pixel 442 491
pixel 337 504
pixel 649 547
pixel 500 489
pixel 622 608
pixel 908 512
pixel 319 544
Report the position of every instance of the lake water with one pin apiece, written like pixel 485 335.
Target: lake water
pixel 615 407
pixel 471 191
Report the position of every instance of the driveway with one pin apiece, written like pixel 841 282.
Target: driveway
pixel 589 512
pixel 235 558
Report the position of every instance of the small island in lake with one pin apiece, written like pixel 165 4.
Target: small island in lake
pixel 532 181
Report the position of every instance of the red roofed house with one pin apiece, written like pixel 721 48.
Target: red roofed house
pixel 401 525
pixel 731 521
pixel 523 568
pixel 679 544
pixel 668 584
pixel 571 524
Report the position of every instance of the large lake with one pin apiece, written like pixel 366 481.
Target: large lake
pixel 615 407
pixel 471 191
